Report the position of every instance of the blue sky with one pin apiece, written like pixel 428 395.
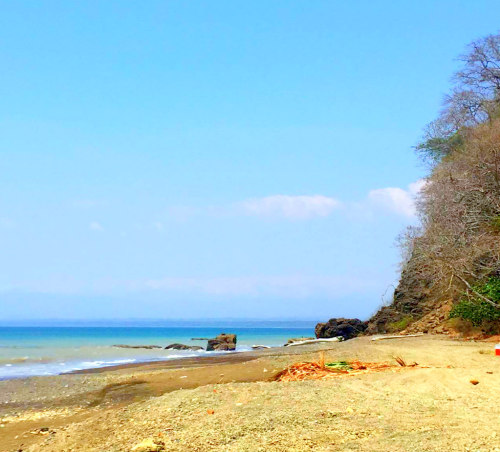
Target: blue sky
pixel 215 159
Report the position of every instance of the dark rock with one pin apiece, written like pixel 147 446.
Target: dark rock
pixel 147 347
pixel 347 328
pixel 223 342
pixel 183 347
pixel 381 321
pixel 410 300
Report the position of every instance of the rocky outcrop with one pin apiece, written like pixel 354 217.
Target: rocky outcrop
pixel 436 321
pixel 223 342
pixel 411 301
pixel 147 347
pixel 347 328
pixel 183 347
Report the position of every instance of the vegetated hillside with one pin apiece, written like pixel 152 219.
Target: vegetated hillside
pixel 450 279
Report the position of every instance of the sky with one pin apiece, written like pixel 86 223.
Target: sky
pixel 221 159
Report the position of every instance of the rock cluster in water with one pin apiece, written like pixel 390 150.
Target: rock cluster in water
pixel 223 342
pixel 183 347
pixel 147 347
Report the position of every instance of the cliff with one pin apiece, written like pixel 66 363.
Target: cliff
pixel 451 274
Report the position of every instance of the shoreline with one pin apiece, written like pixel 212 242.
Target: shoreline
pixel 164 363
pixel 193 361
pixel 34 402
pixel 173 363
pixel 120 400
pixel 58 350
pixel 190 361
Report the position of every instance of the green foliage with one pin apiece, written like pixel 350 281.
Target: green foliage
pixel 435 148
pixel 477 310
pixel 400 325
pixel 490 289
pixel 495 223
pixel 342 365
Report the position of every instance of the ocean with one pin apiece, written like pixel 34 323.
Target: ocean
pixel 49 350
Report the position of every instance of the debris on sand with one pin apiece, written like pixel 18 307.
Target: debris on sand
pixel 397 336
pixel 43 431
pixel 306 371
pixel 314 341
pixel 402 362
pixel 149 445
pixel 344 365
pixel 320 370
pixel 298 339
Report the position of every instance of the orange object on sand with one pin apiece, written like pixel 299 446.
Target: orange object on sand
pixel 318 370
pixel 497 349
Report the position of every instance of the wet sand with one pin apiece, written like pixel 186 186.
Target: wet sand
pixel 174 363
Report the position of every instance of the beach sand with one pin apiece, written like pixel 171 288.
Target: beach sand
pixel 230 403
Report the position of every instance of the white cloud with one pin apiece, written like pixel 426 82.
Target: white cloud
pixel 416 187
pixel 95 226
pixel 396 199
pixel 293 207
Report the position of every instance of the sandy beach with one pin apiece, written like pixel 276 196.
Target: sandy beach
pixel 231 403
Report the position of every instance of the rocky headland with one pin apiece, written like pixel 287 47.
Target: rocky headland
pixel 340 327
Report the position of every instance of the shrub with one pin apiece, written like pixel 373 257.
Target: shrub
pixel 490 289
pixel 495 223
pixel 491 327
pixel 400 325
pixel 477 310
pixel 462 326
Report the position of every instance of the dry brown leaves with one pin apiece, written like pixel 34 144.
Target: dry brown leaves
pixel 306 371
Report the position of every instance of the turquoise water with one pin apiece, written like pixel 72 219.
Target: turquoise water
pixel 30 351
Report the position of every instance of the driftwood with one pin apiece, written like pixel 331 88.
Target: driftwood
pixel 399 336
pixel 258 347
pixel 313 341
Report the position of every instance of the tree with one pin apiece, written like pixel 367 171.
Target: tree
pixel 474 99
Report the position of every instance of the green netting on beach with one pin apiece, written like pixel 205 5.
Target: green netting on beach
pixel 343 365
